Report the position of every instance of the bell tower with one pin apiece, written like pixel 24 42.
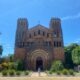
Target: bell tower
pixel 55 26
pixel 22 28
pixel 21 32
pixel 57 36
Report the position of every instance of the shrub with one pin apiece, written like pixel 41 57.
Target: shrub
pixel 18 73
pixel 50 72
pixel 4 73
pixel 11 65
pixel 57 66
pixel 26 72
pixel 71 72
pixel 1 67
pixel 5 65
pixel 58 72
pixel 11 72
pixel 65 72
pixel 20 65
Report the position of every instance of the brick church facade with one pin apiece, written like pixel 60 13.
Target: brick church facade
pixel 39 46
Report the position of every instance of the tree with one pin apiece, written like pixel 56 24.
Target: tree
pixel 11 57
pixel 1 50
pixel 68 55
pixel 76 55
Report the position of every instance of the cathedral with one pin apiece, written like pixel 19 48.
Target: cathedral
pixel 39 46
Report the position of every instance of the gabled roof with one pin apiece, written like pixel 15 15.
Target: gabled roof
pixel 39 26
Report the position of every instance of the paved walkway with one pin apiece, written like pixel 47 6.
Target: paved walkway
pixel 43 76
pixel 39 78
pixel 36 74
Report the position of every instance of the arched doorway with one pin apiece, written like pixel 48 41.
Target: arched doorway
pixel 38 57
pixel 39 63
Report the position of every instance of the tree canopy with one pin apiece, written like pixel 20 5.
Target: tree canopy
pixel 76 55
pixel 1 50
pixel 68 55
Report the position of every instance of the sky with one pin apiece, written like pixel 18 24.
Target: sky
pixel 38 11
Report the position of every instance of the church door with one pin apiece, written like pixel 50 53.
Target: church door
pixel 39 63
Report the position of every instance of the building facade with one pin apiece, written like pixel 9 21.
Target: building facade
pixel 39 46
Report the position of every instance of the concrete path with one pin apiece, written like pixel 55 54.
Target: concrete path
pixel 36 74
pixel 39 78
pixel 43 76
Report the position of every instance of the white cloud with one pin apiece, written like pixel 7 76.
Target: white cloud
pixel 77 41
pixel 71 17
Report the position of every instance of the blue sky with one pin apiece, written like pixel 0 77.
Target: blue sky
pixel 35 11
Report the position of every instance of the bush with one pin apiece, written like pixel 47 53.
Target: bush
pixel 71 72
pixel 20 65
pixel 18 73
pixel 57 66
pixel 26 72
pixel 58 72
pixel 5 65
pixel 65 72
pixel 11 72
pixel 11 65
pixel 50 72
pixel 4 73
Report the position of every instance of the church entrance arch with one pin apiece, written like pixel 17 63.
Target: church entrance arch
pixel 39 63
pixel 39 59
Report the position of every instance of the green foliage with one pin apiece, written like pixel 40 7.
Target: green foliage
pixel 68 55
pixel 71 72
pixel 26 72
pixel 1 68
pixel 4 73
pixel 11 72
pixel 58 72
pixel 57 66
pixel 18 73
pixel 76 55
pixel 50 72
pixel 11 65
pixel 8 65
pixel 65 72
pixel 11 58
pixel 4 65
pixel 20 65
pixel 1 50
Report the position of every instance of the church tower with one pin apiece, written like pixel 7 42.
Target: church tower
pixel 22 27
pixel 21 32
pixel 55 27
